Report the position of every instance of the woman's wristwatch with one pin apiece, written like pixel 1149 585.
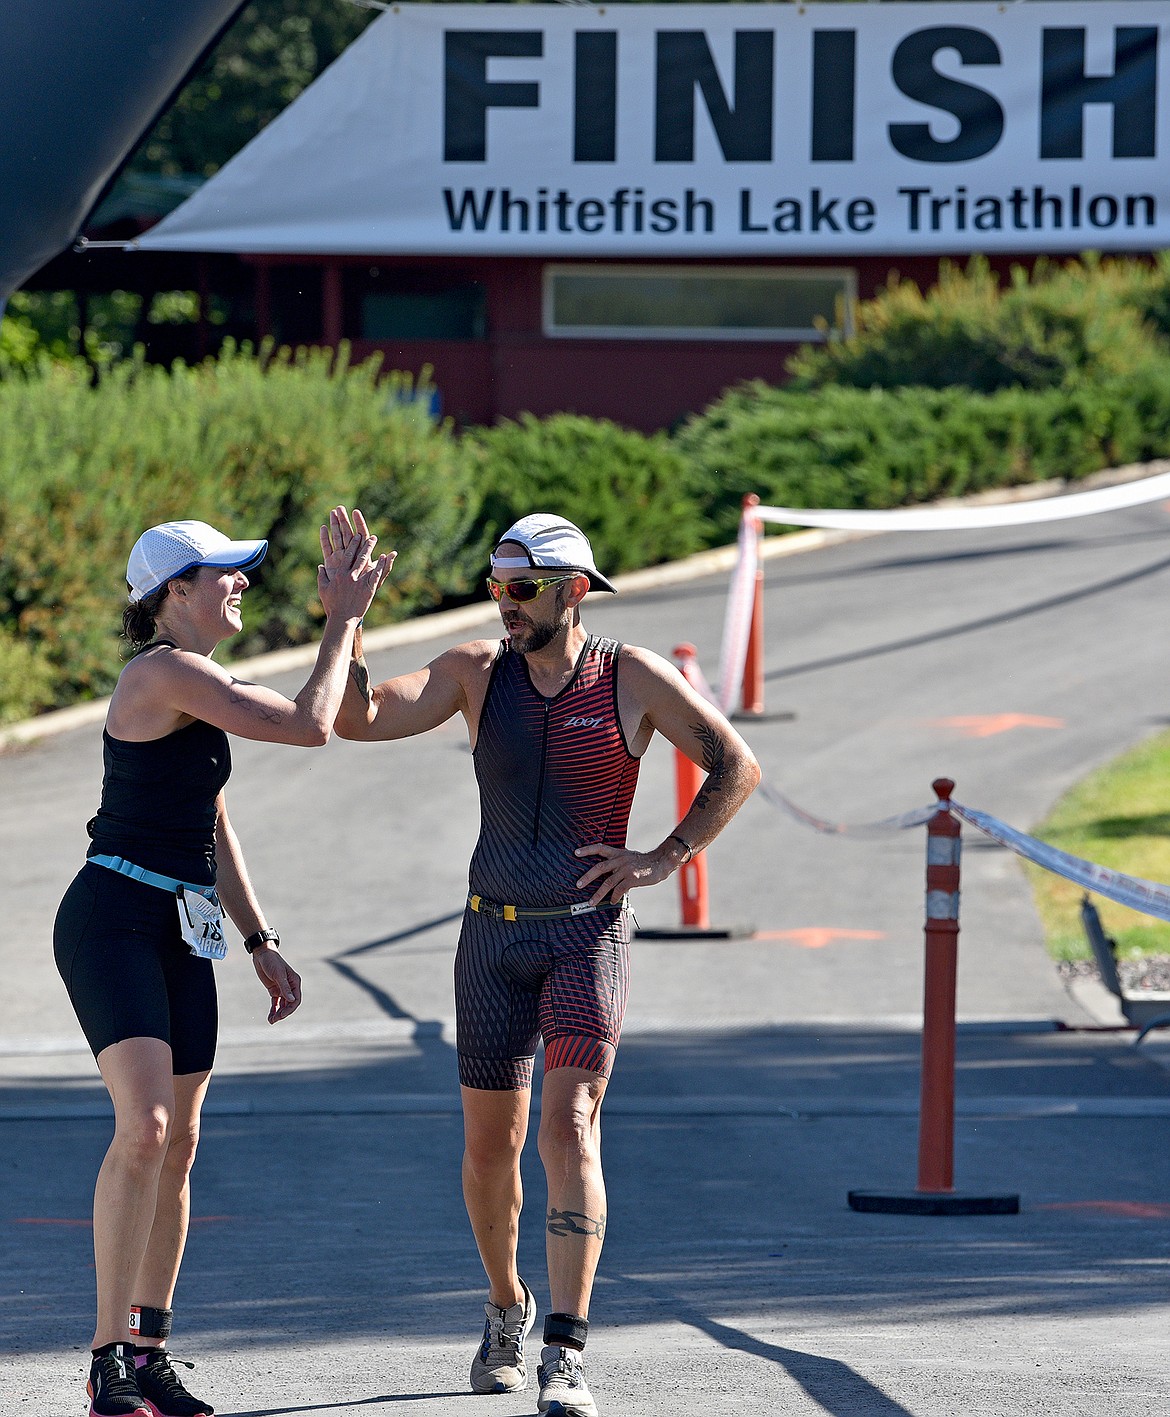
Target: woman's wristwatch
pixel 261 937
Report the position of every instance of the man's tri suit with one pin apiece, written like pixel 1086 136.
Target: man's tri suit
pixel 116 941
pixel 554 774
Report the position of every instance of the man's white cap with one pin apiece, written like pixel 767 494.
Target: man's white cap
pixel 167 551
pixel 550 543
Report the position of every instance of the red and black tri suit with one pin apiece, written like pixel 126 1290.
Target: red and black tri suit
pixel 554 774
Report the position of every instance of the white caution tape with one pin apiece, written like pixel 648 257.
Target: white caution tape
pixel 737 618
pixel 916 818
pixel 1149 897
pixel 741 595
pixel 1047 509
pixel 1146 896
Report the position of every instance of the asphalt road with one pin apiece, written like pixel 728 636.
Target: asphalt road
pixel 330 1266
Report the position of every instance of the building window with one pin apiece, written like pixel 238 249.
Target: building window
pixel 698 302
pixel 456 313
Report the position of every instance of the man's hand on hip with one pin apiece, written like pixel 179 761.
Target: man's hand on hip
pixel 620 870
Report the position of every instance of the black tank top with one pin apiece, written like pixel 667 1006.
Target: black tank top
pixel 553 774
pixel 158 801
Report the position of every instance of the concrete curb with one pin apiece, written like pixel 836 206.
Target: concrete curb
pixel 469 617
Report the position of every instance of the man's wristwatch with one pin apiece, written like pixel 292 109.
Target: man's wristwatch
pixel 261 937
pixel 686 846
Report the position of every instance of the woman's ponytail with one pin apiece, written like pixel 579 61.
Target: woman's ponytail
pixel 140 618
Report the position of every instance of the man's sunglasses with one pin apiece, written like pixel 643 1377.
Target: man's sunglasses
pixel 521 592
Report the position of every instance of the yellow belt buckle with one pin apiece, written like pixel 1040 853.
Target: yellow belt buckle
pixel 474 903
pixel 509 912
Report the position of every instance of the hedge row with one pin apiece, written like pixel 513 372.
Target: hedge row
pixel 1054 326
pixel 262 445
pixel 878 448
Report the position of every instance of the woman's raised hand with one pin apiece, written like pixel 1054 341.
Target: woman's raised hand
pixel 348 581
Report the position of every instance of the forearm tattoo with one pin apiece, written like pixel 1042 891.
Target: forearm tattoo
pixel 268 715
pixel 714 762
pixel 361 678
pixel 572 1222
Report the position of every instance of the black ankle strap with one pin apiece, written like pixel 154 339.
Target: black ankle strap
pixel 146 1322
pixel 565 1330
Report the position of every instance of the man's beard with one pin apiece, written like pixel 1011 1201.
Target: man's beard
pixel 533 638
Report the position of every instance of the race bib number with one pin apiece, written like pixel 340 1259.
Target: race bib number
pixel 201 923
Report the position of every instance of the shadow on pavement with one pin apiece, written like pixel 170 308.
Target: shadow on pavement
pixel 984 622
pixel 327 1199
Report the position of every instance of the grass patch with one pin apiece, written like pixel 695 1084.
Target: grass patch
pixel 1118 816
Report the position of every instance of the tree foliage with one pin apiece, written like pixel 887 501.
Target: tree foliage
pixel 272 52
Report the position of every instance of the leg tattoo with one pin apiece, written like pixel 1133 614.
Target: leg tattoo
pixel 573 1222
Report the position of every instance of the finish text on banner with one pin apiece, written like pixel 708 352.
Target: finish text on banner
pixel 696 130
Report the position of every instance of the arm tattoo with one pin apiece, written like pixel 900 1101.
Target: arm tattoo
pixel 361 678
pixel 269 715
pixel 714 761
pixel 572 1222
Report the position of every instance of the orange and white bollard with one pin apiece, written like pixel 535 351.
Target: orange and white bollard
pixel 936 1111
pixel 752 701
pixel 935 1194
pixel 688 778
pixel 692 877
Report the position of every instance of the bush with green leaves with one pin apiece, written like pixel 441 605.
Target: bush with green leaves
pixel 28 681
pixel 1144 286
pixel 1058 325
pixel 260 446
pixel 877 448
pixel 632 494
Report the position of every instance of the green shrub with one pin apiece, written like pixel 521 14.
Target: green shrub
pixel 630 494
pixel 19 347
pixel 1145 288
pixel 27 679
pixel 257 446
pixel 41 325
pixel 876 448
pixel 1087 320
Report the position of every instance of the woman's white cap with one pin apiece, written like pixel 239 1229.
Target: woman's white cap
pixel 550 542
pixel 168 550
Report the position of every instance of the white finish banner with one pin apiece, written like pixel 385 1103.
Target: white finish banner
pixel 714 130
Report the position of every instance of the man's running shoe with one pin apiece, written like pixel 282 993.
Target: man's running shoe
pixel 113 1386
pixel 563 1392
pixel 498 1365
pixel 163 1389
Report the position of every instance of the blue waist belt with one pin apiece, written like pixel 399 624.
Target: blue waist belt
pixel 150 878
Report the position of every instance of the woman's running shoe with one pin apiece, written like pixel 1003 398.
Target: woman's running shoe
pixel 113 1384
pixel 498 1365
pixel 163 1389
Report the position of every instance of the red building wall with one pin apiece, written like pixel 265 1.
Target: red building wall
pixel 515 368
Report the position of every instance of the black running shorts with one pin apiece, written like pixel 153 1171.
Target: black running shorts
pixel 128 971
pixel 565 981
